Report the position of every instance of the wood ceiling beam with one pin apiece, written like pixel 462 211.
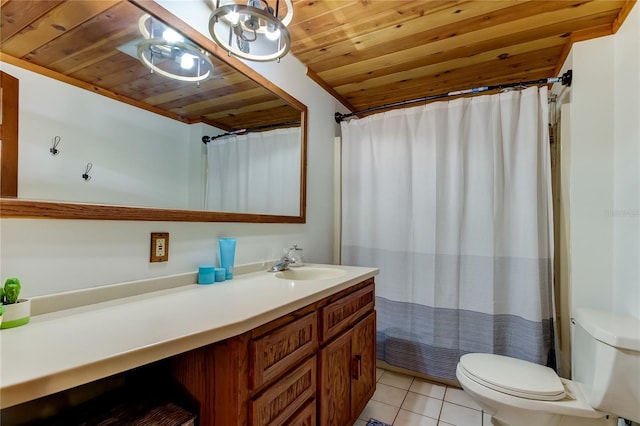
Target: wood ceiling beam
pixel 622 16
pixel 600 31
pixel 315 77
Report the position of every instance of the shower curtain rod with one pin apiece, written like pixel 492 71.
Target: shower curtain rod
pixel 565 79
pixel 207 139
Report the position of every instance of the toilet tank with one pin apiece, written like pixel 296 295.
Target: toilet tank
pixel 605 358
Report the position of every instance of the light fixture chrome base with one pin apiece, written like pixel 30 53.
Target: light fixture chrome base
pixel 248 36
pixel 174 58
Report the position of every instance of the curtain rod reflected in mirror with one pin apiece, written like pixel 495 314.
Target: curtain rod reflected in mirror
pixel 207 139
pixel 243 99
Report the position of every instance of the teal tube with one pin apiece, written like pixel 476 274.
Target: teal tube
pixel 227 255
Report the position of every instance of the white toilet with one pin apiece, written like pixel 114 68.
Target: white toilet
pixel 605 385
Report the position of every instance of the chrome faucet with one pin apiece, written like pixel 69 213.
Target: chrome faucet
pixel 281 265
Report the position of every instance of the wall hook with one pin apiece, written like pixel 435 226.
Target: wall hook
pixel 86 175
pixel 54 149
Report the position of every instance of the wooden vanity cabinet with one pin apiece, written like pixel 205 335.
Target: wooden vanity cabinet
pixel 276 374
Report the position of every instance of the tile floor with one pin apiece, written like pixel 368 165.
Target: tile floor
pixel 403 400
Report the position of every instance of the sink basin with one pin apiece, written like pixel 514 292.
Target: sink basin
pixel 309 274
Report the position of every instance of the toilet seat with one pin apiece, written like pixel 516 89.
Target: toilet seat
pixel 513 376
pixel 576 404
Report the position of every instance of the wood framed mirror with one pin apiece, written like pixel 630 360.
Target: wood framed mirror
pixel 83 45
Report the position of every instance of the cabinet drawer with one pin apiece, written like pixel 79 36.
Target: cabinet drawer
pixel 285 397
pixel 274 353
pixel 346 311
pixel 305 417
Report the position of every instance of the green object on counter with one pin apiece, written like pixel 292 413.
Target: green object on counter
pixel 15 323
pixel 11 290
pixel 16 314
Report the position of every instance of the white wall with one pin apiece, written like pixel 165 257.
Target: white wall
pixel 626 191
pixel 604 177
pixel 60 255
pixel 128 147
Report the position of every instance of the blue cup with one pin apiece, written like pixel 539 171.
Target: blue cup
pixel 206 274
pixel 220 274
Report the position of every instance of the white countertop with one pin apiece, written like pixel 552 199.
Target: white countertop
pixel 64 349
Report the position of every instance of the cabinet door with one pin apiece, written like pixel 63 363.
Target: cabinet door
pixel 335 382
pixel 363 358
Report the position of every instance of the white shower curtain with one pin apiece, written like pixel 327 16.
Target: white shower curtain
pixel 452 202
pixel 255 173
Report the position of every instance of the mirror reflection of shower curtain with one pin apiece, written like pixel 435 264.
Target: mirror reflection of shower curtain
pixel 255 173
pixel 452 201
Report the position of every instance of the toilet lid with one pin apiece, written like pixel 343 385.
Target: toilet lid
pixel 513 376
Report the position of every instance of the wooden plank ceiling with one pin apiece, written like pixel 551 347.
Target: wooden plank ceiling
pixel 374 52
pixel 77 41
pixel 366 52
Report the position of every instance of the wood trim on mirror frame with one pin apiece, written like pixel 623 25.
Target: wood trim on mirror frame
pixel 17 208
pixel 9 96
pixel 29 209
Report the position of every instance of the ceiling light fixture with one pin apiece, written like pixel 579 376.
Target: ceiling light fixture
pixel 167 53
pixel 253 30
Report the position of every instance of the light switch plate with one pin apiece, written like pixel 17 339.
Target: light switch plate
pixel 159 247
